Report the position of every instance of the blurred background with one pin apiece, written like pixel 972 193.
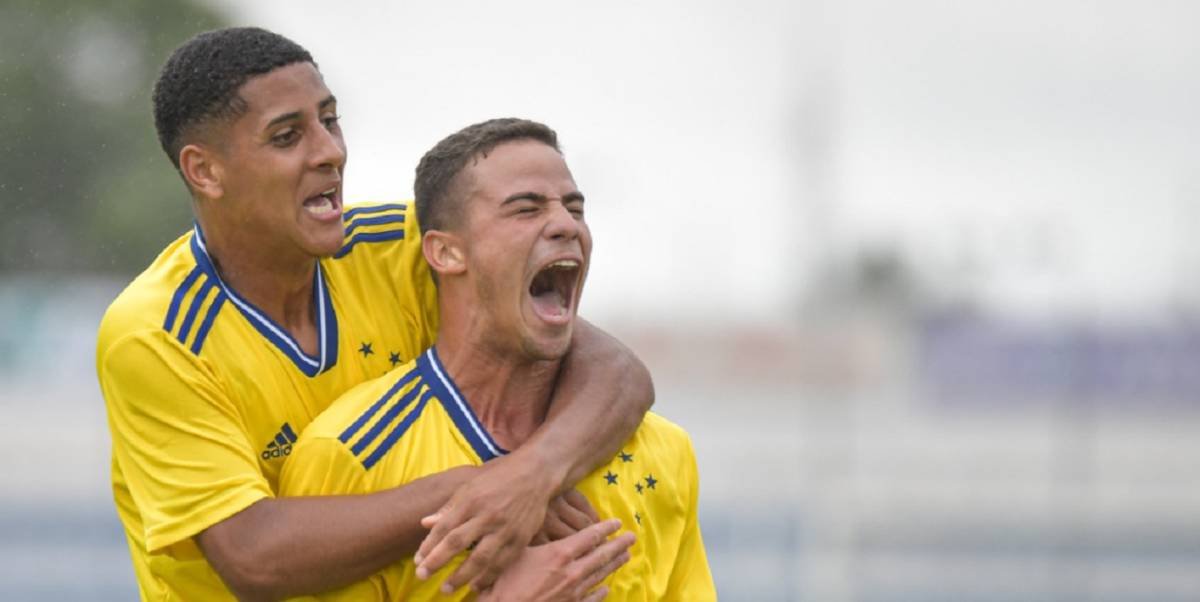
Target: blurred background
pixel 918 277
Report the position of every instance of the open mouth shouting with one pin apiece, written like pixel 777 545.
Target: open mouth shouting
pixel 554 290
pixel 324 206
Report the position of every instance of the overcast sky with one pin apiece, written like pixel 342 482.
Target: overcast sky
pixel 1038 157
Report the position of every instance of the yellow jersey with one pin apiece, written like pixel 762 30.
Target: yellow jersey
pixel 206 394
pixel 414 422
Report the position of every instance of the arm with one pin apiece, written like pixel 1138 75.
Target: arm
pixel 289 546
pixel 193 475
pixel 601 394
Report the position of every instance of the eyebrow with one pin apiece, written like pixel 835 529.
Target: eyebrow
pixel 541 198
pixel 331 99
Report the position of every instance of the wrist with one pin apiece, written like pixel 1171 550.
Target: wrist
pixel 544 468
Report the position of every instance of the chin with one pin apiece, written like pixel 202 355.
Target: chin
pixel 547 348
pixel 325 246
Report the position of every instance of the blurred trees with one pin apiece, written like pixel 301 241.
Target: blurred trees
pixel 85 186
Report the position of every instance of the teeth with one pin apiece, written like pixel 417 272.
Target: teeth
pixel 564 263
pixel 329 192
pixel 322 206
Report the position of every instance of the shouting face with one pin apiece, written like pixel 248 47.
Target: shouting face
pixel 526 247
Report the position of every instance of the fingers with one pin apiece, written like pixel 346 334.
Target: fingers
pixel 481 573
pixel 574 516
pixel 590 538
pixel 444 543
pixel 596 596
pixel 429 521
pixel 605 559
pixel 581 503
pixel 555 529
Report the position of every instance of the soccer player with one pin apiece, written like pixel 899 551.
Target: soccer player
pixel 221 352
pixel 505 235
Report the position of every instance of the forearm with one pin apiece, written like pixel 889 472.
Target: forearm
pixel 292 546
pixel 601 395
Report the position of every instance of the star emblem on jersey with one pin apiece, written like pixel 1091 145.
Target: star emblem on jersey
pixel 639 487
pixel 394 358
pixel 365 349
pixel 626 457
pixel 651 481
pixel 611 478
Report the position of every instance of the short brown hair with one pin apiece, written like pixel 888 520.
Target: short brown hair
pixel 441 165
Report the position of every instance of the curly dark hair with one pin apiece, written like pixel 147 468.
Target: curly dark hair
pixel 436 209
pixel 201 79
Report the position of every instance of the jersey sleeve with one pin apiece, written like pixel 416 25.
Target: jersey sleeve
pixel 324 466
pixel 321 466
pixel 384 241
pixel 690 577
pixel 178 438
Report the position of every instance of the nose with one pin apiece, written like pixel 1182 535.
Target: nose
pixel 329 149
pixel 562 224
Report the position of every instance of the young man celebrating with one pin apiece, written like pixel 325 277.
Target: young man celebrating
pixel 243 330
pixel 505 235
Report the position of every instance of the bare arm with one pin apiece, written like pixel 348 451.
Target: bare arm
pixel 280 547
pixel 601 395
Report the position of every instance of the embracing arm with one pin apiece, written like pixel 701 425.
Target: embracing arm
pixel 600 397
pixel 280 547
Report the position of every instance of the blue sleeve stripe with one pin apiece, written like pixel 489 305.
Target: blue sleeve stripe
pixel 369 237
pixel 397 432
pixel 197 301
pixel 385 420
pixel 373 209
pixel 177 299
pixel 202 333
pixel 374 221
pixel 366 416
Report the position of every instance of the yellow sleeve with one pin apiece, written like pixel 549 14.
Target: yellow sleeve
pixel 385 241
pixel 177 437
pixel 321 466
pixel 690 577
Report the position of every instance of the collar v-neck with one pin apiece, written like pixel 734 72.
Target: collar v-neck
pixel 434 374
pixel 327 328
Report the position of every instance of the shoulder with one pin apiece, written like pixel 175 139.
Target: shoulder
pixel 662 432
pixel 357 409
pixel 374 226
pixel 144 308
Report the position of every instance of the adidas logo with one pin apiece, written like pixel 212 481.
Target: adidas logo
pixel 282 444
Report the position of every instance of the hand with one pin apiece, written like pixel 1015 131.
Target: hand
pixel 567 515
pixel 496 514
pixel 565 570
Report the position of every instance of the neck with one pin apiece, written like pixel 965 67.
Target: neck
pixel 278 284
pixel 510 394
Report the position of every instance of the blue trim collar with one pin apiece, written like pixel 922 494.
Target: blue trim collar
pixel 433 373
pixel 327 327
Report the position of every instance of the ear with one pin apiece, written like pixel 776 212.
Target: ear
pixel 444 252
pixel 202 170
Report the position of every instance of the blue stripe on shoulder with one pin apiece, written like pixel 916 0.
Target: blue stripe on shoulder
pixel 368 237
pixel 374 221
pixel 202 332
pixel 373 209
pixel 397 432
pixel 386 420
pixel 177 298
pixel 366 416
pixel 197 301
